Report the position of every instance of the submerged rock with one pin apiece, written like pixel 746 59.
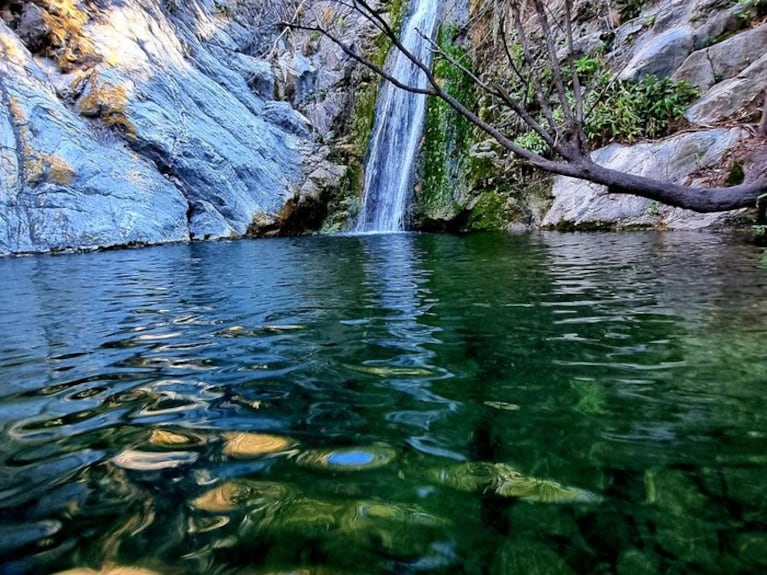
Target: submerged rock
pixel 243 445
pixel 506 481
pixel 242 495
pixel 348 458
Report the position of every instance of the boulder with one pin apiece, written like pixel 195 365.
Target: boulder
pixel 580 204
pixel 724 60
pixel 730 98
pixel 660 54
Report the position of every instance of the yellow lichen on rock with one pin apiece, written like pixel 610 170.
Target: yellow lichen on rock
pixel 12 50
pixel 68 42
pixel 48 168
pixel 107 101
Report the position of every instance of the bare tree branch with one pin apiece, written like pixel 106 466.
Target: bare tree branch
pixel 556 69
pixel 578 124
pixel 571 144
pixel 540 95
pixel 498 92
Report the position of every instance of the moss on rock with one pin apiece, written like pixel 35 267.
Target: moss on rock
pixel 447 138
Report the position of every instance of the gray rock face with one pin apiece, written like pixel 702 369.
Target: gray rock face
pixel 660 55
pixel 729 98
pixel 585 205
pixel 724 60
pixel 156 124
pixel 65 185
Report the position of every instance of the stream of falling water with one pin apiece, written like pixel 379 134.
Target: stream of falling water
pixel 398 127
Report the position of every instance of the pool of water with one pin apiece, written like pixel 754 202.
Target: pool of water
pixel 544 404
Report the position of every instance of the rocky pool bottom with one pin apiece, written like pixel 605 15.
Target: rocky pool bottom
pixel 543 404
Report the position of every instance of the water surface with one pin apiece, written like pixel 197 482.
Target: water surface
pixel 387 404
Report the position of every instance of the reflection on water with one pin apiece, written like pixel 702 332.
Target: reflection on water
pixel 387 404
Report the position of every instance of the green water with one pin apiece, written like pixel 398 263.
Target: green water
pixel 546 404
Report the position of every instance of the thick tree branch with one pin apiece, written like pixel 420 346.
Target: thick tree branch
pixel 570 145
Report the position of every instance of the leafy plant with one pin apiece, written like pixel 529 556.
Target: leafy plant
pixel 634 110
pixel 629 9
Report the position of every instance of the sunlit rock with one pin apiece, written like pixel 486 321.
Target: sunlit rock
pixel 136 460
pixel 245 445
pixel 582 205
pixel 242 494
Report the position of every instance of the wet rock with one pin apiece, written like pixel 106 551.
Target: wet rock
pixel 580 204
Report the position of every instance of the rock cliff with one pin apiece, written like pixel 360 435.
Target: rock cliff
pixel 127 122
pixel 718 46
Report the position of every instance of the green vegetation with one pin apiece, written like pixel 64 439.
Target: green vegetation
pixel 617 110
pixel 490 211
pixel 630 111
pixel 447 134
pixel 630 8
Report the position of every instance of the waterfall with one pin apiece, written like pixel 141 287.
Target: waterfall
pixel 398 127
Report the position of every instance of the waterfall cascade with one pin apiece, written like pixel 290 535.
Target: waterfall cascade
pixel 398 127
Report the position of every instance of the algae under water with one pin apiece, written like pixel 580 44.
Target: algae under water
pixel 552 403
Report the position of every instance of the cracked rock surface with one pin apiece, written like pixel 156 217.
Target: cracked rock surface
pixel 127 122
